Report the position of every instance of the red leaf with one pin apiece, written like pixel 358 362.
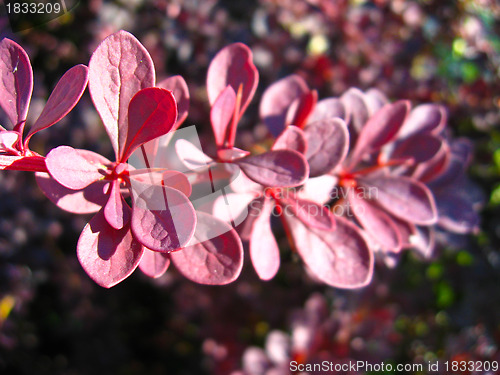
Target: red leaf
pixel 118 69
pixel 327 109
pixel 310 213
pixel 75 169
pixel 106 254
pixel 180 90
pixel 278 98
pixel 215 254
pixel 221 114
pixel 425 118
pixel 419 147
pixel 85 201
pixel 153 263
pixel 300 109
pixel 292 138
pixel 375 221
pixel 327 145
pixel 264 251
pixel 233 66
pixel 404 197
pixel 152 113
pixel 16 83
pixel 340 258
pixel 66 94
pixel 163 219
pixel 380 129
pixel 116 211
pixel 277 168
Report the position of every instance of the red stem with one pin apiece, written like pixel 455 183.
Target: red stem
pixel 34 163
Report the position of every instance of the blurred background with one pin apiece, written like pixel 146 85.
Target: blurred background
pixel 55 320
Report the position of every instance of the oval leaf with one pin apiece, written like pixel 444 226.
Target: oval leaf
pixel 425 118
pixel 152 113
pixel 277 100
pixel 180 90
pixel 340 258
pixel 116 211
pixel 154 264
pixel 118 69
pixel 380 129
pixel 233 66
pixel 74 169
pixel 66 94
pixel 403 197
pixel 106 254
pixel 163 219
pixel 264 251
pixel 221 114
pixel 16 85
pixel 211 259
pixel 328 108
pixel 375 221
pixel 292 138
pixel 327 145
pixel 85 201
pixel 277 168
pixel 309 212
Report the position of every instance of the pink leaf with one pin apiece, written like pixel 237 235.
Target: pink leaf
pixel 85 201
pixel 233 66
pixel 66 94
pixel 425 118
pixel 278 98
pixel 264 251
pixel 327 109
pixel 209 259
pixel 404 197
pixel 118 69
pixel 180 90
pixel 380 129
pixel 277 168
pixel 75 169
pixel 221 114
pixel 309 212
pixel 16 84
pixel 106 254
pixel 356 109
pixel 153 263
pixel 116 211
pixel 340 258
pixel 163 219
pixel 375 221
pixel 292 138
pixel 300 109
pixel 374 100
pixel 152 113
pixel 327 145
pixel 419 147
pixel 432 168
